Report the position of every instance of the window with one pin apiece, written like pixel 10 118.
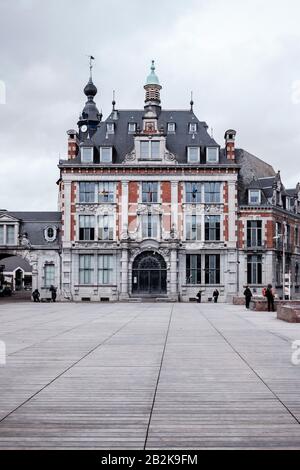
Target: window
pixel 110 128
pixel 49 275
pixel 86 192
pixel 254 233
pixel 192 128
pixel 87 154
pixel 86 269
pixel 50 233
pixel 150 226
pixel 10 235
pixel 212 193
pixel 149 192
pixel 192 192
pixel 106 192
pixel 212 269
pixel 279 237
pixel 193 154
pixel 105 269
pixel 171 127
pixel 212 154
pixel 212 228
pixel 131 127
pixel 150 149
pixel 254 269
pixel 7 235
pixel 193 269
pixel 297 235
pixel 106 227
pixel 254 196
pixel 106 154
pixel 193 227
pixel 86 227
pixel 288 204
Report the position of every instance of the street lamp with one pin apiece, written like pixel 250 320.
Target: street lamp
pixel 283 237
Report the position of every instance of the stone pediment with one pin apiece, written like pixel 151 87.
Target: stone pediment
pixel 8 218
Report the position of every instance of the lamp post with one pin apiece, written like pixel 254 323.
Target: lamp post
pixel 283 237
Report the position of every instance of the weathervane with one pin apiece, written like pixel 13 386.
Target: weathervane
pixel 91 64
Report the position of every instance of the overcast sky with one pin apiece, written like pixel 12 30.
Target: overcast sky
pixel 241 59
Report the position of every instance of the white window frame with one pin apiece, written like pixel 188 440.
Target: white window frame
pixel 101 154
pixel 150 142
pixel 5 237
pixel 52 281
pixel 193 127
pixel 101 269
pixel 91 154
pixel 189 157
pixel 173 130
pixel 110 227
pixel 130 131
pixel 156 236
pixel 258 191
pixel 208 159
pixel 110 128
pixel 199 223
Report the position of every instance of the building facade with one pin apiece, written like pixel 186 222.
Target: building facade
pixel 151 206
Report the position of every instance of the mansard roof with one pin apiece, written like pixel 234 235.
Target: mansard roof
pixel 35 223
pixel 123 142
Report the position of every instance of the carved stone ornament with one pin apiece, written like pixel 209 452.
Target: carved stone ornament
pixel 130 157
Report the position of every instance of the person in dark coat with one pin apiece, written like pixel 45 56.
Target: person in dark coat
pixel 270 298
pixel 248 297
pixel 53 293
pixel 199 297
pixel 36 295
pixel 216 296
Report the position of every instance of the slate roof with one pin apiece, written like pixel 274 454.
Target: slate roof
pixel 34 224
pixel 14 262
pixel 123 142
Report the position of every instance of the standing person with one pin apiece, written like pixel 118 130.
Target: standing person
pixel 270 297
pixel 216 296
pixel 36 295
pixel 199 297
pixel 248 297
pixel 53 293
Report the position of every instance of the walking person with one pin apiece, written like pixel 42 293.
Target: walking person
pixel 270 298
pixel 199 297
pixel 248 297
pixel 216 296
pixel 36 295
pixel 53 293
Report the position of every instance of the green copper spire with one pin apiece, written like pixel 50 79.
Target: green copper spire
pixel 152 79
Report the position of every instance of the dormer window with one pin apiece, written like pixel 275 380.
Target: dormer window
pixel 254 196
pixel 150 149
pixel 87 154
pixel 171 127
pixel 192 127
pixel 212 154
pixel 193 154
pixel 288 204
pixel 105 154
pixel 110 128
pixel 131 127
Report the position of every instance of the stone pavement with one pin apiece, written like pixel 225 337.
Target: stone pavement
pixel 153 376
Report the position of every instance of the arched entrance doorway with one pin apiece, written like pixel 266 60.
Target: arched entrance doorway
pixel 149 274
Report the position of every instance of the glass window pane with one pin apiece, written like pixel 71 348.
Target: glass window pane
pixel 155 147
pixel 212 154
pixel 106 154
pixel 193 154
pixel 1 234
pixel 87 154
pixel 144 149
pixel 10 234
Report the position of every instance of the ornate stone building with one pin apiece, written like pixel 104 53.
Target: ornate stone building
pixel 152 206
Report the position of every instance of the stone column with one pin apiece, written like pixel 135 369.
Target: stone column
pixel 174 206
pixel 124 209
pixel 67 212
pixel 173 275
pixel 124 275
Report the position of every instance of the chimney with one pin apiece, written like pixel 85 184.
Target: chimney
pixel 230 144
pixel 72 144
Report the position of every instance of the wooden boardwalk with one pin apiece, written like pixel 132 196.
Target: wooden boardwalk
pixel 150 376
